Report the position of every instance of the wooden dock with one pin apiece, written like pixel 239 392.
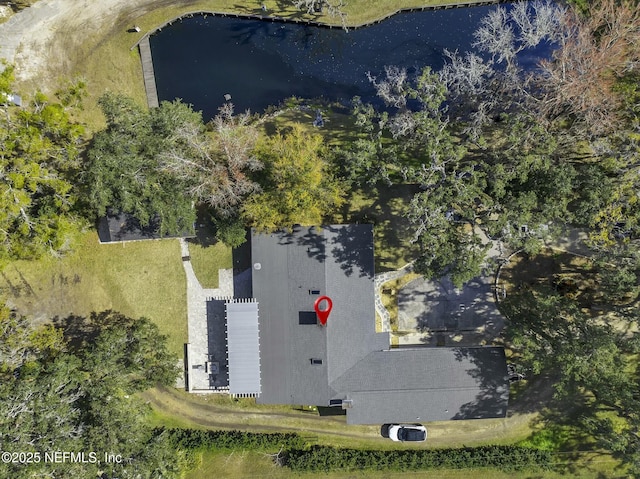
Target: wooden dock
pixel 148 73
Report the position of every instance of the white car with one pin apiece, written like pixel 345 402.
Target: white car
pixel 407 432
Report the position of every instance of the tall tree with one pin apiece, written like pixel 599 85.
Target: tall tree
pixel 124 168
pixel 296 183
pixel 72 389
pixel 595 51
pixel 550 333
pixel 425 152
pixel 40 147
pixel 216 166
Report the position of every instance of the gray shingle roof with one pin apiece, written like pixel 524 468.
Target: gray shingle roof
pixel 384 385
pixel 427 384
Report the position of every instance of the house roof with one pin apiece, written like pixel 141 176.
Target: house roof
pixel 427 384
pixel 289 272
pixel 243 348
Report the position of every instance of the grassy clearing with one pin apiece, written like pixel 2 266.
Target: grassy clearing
pixel 138 279
pixel 339 128
pixel 574 275
pixel 207 260
pixel 174 408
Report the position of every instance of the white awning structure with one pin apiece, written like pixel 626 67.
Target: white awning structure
pixel 243 347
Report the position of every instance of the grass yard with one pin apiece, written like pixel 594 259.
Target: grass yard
pixel 207 260
pixel 174 408
pixel 339 128
pixel 384 207
pixel 573 275
pixel 138 279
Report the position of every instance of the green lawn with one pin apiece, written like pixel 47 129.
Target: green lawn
pixel 207 260
pixel 385 208
pixel 143 278
pixel 174 408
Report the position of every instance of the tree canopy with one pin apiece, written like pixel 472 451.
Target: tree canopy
pixel 65 391
pixel 40 147
pixel 297 187
pixel 123 171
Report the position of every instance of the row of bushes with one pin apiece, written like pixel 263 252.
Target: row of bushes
pixel 192 439
pixel 506 458
pixel 298 456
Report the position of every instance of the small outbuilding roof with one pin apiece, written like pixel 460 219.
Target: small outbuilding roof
pixel 10 99
pixel 116 227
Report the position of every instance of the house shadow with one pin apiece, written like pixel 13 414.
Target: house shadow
pixel 352 248
pixel 490 372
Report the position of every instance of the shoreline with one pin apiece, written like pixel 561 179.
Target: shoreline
pixel 314 23
pixel 54 42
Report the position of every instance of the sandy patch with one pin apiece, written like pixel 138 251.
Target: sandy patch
pixel 5 11
pixel 46 31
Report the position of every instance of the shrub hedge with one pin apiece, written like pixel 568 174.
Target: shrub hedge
pixel 191 439
pixel 297 455
pixel 506 458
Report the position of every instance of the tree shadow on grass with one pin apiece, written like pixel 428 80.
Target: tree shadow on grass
pixel 205 229
pixel 79 331
pixel 560 426
pixel 385 207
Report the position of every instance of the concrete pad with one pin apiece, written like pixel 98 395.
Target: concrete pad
pixel 426 308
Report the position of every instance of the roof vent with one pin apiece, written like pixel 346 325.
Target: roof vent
pixel 257 266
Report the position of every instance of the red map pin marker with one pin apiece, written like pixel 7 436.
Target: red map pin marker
pixel 323 314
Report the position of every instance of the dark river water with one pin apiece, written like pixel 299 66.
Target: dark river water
pixel 260 63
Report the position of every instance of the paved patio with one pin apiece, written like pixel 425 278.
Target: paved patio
pixel 207 350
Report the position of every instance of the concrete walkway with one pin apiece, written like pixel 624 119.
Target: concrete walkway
pixel 203 324
pixel 379 280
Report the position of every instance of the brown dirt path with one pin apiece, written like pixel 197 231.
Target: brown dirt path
pixel 216 413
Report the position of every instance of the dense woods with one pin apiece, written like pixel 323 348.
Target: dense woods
pixel 70 386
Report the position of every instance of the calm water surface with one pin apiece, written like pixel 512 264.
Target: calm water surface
pixel 260 63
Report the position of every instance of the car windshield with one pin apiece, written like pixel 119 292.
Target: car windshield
pixel 412 435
